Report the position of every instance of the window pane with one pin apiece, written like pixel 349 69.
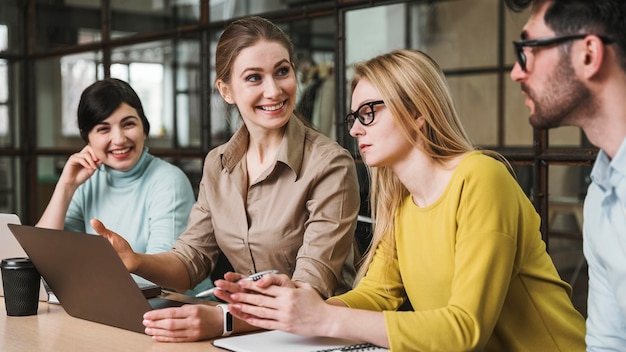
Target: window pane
pixel 4 37
pixel 517 130
pixel 139 16
pixel 314 40
pixel 565 137
pixel 224 118
pixel 385 31
pixel 148 68
pixel 4 97
pixel 567 189
pixel 63 24
pixel 77 73
pixel 9 189
pixel 514 22
pixel 226 9
pixel 9 96
pixel 457 34
pixel 475 100
pixel 4 122
pixel 188 90
pixel 48 171
pixel 60 82
pixel 11 26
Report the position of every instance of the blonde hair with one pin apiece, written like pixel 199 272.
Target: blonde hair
pixel 412 85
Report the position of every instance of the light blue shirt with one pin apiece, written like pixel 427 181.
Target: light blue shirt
pixel 148 205
pixel 604 233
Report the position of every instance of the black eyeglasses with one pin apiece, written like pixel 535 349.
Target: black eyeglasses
pixel 364 113
pixel 519 45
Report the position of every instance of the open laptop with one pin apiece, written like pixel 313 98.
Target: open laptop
pixel 88 277
pixel 10 248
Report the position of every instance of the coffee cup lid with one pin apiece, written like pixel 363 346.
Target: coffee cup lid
pixel 17 263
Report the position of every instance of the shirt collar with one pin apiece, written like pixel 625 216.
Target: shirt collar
pixel 608 173
pixel 290 151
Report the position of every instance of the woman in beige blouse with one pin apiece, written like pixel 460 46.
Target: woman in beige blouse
pixel 278 195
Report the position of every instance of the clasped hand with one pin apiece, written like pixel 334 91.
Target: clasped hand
pixel 276 302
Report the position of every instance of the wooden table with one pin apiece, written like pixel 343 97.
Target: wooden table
pixel 52 329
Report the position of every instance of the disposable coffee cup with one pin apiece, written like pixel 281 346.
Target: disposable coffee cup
pixel 21 281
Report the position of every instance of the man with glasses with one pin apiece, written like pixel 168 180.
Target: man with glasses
pixel 571 64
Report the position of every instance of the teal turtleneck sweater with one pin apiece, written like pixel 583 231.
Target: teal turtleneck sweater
pixel 148 205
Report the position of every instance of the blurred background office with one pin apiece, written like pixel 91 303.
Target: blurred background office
pixel 50 50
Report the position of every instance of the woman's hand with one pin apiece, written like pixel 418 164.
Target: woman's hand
pixel 191 322
pixel 294 307
pixel 230 284
pixel 121 246
pixel 79 167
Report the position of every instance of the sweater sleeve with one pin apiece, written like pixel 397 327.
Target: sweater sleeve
pixel 381 288
pixel 168 207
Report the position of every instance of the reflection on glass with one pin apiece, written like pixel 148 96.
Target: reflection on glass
pixel 475 100
pixel 385 31
pixel 139 16
pixel 227 9
pixel 314 40
pixel 48 171
pixel 77 72
pixel 86 35
pixel 146 68
pixel 567 188
pixel 4 82
pixel 9 95
pixel 457 34
pixel 147 80
pixel 60 23
pixel 187 91
pixel 4 121
pixel 517 130
pixel 8 188
pixel 4 37
pixel 12 14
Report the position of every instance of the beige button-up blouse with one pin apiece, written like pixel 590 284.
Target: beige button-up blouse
pixel 299 217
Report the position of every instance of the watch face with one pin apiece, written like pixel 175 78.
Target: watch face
pixel 228 322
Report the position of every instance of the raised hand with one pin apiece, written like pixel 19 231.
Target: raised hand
pixel 121 246
pixel 79 167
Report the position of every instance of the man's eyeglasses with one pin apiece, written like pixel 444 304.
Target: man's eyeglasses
pixel 364 113
pixel 519 45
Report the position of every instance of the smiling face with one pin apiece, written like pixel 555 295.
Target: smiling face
pixel 263 86
pixel 381 143
pixel 119 139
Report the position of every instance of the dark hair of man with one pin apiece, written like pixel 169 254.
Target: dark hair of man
pixel 599 17
pixel 101 99
pixel 243 33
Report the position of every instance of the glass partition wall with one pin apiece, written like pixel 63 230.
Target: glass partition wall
pixel 50 50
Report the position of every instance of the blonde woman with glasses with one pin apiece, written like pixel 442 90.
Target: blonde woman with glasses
pixel 454 234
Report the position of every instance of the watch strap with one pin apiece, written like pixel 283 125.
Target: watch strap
pixel 228 320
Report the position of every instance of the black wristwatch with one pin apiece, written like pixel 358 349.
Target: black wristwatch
pixel 228 320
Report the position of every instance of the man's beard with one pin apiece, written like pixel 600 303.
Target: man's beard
pixel 562 101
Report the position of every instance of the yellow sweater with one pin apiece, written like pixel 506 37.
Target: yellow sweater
pixel 475 269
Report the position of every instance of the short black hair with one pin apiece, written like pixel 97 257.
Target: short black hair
pixel 598 17
pixel 99 100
